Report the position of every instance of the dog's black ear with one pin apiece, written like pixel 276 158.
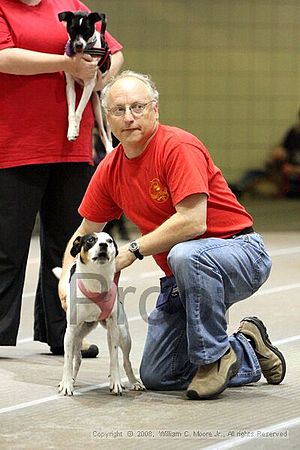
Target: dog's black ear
pixel 77 244
pixel 96 17
pixel 65 16
pixel 116 247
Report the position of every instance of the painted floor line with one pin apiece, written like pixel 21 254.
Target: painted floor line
pixel 275 290
pixel 287 340
pixel 51 398
pixel 93 387
pixel 283 341
pixel 284 251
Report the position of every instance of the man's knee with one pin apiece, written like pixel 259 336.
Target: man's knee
pixel 178 256
pixel 149 378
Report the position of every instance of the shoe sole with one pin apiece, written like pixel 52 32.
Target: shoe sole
pixel 57 352
pixel 264 334
pixel 193 395
pixel 91 352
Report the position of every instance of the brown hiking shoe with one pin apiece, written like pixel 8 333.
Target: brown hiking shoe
pixel 211 379
pixel 271 360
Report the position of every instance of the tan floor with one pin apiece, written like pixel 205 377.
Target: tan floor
pixel 258 416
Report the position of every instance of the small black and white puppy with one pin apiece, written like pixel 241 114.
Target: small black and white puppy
pixel 92 298
pixel 84 38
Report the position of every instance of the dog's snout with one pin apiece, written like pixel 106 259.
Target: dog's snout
pixel 102 254
pixel 78 46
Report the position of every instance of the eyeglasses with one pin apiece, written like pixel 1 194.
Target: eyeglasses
pixel 136 109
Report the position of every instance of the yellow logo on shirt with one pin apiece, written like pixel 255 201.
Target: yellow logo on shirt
pixel 158 192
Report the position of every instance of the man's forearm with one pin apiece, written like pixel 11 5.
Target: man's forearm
pixel 178 228
pixel 174 230
pixel 188 222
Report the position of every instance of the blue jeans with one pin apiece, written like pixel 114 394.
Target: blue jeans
pixel 187 328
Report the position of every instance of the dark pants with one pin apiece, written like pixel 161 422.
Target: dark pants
pixel 55 191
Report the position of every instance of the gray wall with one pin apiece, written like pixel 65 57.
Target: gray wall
pixel 227 70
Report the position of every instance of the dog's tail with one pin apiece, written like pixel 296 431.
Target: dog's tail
pixel 57 272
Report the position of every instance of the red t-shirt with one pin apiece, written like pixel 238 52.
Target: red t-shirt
pixel 174 165
pixel 33 109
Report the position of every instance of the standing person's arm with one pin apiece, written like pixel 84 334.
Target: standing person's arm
pixel 117 60
pixel 17 61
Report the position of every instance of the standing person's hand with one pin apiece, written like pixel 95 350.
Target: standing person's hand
pixel 82 67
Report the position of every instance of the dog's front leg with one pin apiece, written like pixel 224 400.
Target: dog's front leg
pixel 115 384
pixel 66 385
pixel 73 127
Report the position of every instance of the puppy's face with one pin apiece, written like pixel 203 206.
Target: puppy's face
pixel 80 27
pixel 99 248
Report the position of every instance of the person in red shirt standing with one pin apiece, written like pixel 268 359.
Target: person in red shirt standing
pixel 41 171
pixel 165 181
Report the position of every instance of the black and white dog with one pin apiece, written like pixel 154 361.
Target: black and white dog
pixel 91 298
pixel 84 38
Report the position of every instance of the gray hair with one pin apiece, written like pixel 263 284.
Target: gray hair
pixel 146 79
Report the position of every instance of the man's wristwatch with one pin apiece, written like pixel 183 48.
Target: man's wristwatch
pixel 135 249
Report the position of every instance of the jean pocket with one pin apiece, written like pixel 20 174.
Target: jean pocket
pixel 169 300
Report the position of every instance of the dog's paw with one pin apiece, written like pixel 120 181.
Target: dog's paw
pixel 72 137
pixel 116 388
pixel 138 386
pixel 66 387
pixel 73 132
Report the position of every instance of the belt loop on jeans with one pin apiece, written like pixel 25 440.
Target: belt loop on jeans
pixel 247 230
